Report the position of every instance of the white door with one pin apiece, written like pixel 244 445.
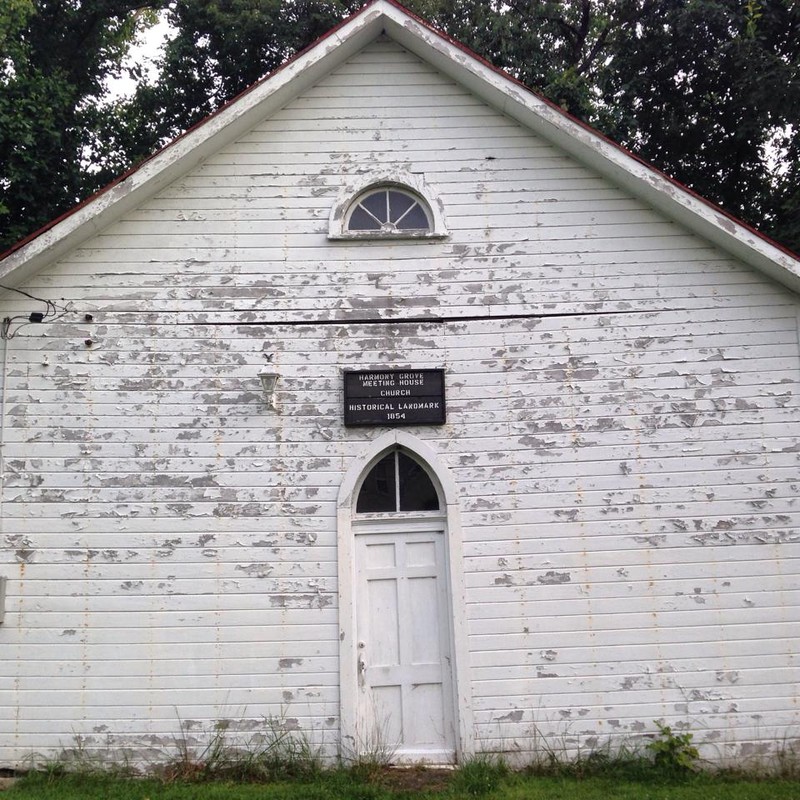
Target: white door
pixel 403 645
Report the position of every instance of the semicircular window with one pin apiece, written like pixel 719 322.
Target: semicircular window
pixel 388 210
pixel 397 483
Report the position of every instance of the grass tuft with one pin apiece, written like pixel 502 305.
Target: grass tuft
pixel 275 752
pixel 480 776
pixel 277 762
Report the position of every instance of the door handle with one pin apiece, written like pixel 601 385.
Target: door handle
pixel 361 664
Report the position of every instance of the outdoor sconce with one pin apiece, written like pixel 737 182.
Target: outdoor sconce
pixel 268 382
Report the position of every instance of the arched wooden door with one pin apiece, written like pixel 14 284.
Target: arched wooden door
pixel 403 636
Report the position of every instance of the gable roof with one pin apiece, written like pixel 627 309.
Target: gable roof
pixel 452 59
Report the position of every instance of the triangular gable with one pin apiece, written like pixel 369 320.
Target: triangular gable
pixel 452 59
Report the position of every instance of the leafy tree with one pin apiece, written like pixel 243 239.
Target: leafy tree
pixel 55 56
pixel 558 47
pixel 708 90
pixel 221 47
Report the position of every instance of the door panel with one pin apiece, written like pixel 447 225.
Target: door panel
pixel 405 685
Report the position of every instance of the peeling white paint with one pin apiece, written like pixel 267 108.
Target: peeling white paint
pixel 622 439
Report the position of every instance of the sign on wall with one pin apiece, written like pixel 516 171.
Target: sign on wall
pixel 394 397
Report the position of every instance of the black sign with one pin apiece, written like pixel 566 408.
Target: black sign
pixel 394 397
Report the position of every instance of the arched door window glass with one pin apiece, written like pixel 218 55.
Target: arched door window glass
pixel 388 210
pixel 397 483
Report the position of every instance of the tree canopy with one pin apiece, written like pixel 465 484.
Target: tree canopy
pixel 54 60
pixel 706 90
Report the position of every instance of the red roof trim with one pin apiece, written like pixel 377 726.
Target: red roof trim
pixel 446 37
pixel 592 130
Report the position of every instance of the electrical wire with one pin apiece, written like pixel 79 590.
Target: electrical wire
pixel 50 315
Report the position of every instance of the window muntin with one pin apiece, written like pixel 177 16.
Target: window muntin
pixel 397 483
pixel 388 210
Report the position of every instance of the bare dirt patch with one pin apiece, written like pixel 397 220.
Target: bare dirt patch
pixel 414 779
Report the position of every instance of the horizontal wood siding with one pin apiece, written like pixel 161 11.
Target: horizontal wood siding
pixel 622 430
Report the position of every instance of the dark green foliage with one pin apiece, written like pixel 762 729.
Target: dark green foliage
pixel 55 56
pixel 556 47
pixel 223 46
pixel 708 90
pixel 673 753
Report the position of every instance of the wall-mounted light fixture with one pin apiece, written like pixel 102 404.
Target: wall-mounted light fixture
pixel 268 380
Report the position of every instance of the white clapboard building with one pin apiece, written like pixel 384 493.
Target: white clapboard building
pixel 394 407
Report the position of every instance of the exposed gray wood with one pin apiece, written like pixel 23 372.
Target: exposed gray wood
pixel 622 435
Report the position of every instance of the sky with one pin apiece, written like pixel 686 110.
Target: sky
pixel 143 54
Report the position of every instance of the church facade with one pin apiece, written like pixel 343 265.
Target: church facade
pixel 396 408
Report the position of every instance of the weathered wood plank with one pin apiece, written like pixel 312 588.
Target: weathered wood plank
pixel 626 481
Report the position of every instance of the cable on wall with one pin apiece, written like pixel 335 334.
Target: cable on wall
pixel 53 311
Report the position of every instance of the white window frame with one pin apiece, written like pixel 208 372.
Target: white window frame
pixel 397 512
pixel 406 182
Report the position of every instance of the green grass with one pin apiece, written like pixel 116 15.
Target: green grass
pixel 476 780
pixel 610 789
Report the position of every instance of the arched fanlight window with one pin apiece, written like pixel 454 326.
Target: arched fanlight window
pixel 390 204
pixel 388 210
pixel 397 483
